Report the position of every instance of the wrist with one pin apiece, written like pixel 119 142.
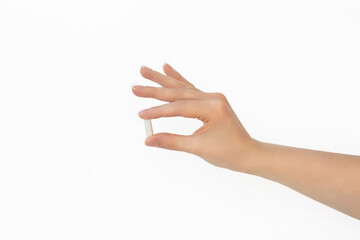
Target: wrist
pixel 251 161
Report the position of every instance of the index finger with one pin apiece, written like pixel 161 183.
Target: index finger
pixel 180 108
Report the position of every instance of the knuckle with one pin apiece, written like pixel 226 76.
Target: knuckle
pixel 220 96
pixel 155 92
pixel 174 107
pixel 159 111
pixel 169 108
pixel 219 106
pixel 179 92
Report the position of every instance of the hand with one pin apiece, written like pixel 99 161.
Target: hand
pixel 330 178
pixel 221 140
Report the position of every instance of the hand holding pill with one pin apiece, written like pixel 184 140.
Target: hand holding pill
pixel 221 140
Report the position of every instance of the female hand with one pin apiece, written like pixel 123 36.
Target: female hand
pixel 330 178
pixel 221 140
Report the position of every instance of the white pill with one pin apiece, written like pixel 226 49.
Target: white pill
pixel 148 127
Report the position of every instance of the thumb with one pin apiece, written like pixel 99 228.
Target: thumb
pixel 171 141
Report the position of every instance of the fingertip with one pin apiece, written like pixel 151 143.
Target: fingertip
pixel 133 88
pixel 147 141
pixel 143 70
pixel 151 141
pixel 142 114
pixel 135 91
pixel 168 66
pixel 137 87
pixel 168 70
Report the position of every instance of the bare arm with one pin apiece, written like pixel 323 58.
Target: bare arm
pixel 330 178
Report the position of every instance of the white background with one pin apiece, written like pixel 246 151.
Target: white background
pixel 73 164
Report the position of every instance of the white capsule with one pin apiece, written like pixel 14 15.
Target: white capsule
pixel 148 127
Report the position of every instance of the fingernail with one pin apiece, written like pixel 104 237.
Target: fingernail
pixel 142 113
pixel 137 87
pixel 152 142
pixel 144 67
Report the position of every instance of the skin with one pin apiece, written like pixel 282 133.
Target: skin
pixel 330 178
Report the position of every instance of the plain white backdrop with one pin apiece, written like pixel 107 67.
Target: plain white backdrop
pixel 73 163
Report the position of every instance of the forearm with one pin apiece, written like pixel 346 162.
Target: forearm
pixel 330 178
